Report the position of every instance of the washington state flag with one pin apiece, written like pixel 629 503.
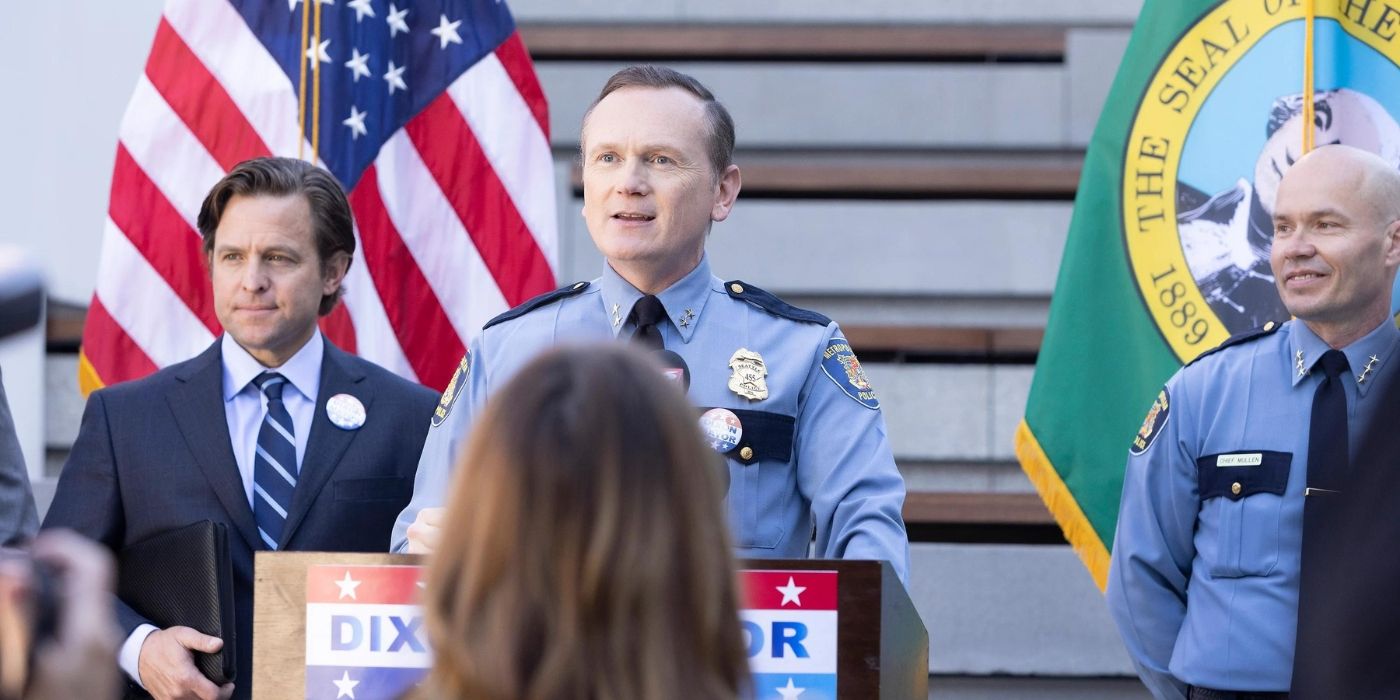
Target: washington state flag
pixel 1168 248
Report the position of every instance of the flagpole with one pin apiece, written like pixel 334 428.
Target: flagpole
pixel 301 84
pixel 316 89
pixel 1309 14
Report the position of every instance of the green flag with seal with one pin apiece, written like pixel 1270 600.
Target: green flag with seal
pixel 1168 248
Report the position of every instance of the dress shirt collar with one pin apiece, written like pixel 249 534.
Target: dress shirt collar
pixel 684 300
pixel 1372 351
pixel 303 370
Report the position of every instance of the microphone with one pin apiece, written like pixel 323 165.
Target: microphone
pixel 675 368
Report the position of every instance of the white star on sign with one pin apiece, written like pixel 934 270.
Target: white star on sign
pixel 356 122
pixel 362 8
pixel 348 586
pixel 319 53
pixel 395 78
pixel 396 20
pixel 358 64
pixel 791 593
pixel 345 686
pixel 447 31
pixel 790 692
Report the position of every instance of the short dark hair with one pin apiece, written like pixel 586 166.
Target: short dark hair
pixel 332 226
pixel 721 125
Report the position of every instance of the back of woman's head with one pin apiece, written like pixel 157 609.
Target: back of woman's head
pixel 585 553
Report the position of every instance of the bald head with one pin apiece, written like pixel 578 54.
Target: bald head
pixel 1375 182
pixel 1337 241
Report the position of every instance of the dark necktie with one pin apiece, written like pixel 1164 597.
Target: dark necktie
pixel 1328 463
pixel 647 313
pixel 1328 455
pixel 274 462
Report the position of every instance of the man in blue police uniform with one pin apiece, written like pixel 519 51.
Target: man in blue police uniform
pixel 1204 583
pixel 799 424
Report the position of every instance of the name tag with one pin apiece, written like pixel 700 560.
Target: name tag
pixel 1249 459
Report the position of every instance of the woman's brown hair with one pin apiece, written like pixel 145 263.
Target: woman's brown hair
pixel 585 553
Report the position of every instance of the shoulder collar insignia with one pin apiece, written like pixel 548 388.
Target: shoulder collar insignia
pixel 1240 338
pixel 541 300
pixel 744 291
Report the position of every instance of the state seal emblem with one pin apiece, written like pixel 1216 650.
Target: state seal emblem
pixel 1220 122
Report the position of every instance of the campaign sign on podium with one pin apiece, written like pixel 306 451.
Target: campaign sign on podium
pixel 364 631
pixel 333 626
pixel 789 620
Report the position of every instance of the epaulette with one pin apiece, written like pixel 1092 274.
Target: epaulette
pixel 537 302
pixel 1240 338
pixel 744 291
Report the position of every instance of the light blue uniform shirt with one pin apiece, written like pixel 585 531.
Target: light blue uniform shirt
pixel 823 467
pixel 1203 583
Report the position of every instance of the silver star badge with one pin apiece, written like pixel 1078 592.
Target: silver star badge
pixel 686 318
pixel 616 316
pixel 1370 364
pixel 1302 369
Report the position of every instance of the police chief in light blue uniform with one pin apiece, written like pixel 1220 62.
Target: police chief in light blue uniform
pixel 1204 578
pixel 809 465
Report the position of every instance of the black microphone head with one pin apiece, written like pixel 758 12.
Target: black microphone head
pixel 675 368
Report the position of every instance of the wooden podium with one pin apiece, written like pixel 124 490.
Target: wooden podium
pixel 880 648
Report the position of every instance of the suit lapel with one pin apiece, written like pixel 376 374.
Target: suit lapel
pixel 198 404
pixel 327 443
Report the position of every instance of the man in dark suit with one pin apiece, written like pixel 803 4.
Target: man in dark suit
pixel 18 517
pixel 1349 644
pixel 273 431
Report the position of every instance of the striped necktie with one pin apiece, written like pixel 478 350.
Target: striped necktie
pixel 274 462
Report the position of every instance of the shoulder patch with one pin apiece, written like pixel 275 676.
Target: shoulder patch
pixel 841 366
pixel 1152 425
pixel 772 304
pixel 455 388
pixel 542 300
pixel 1240 338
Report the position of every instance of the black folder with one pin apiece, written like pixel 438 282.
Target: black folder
pixel 185 577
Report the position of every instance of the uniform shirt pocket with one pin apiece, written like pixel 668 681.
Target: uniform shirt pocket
pixel 763 484
pixel 1242 494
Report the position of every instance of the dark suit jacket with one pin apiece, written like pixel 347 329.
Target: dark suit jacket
pixel 1349 622
pixel 18 517
pixel 154 454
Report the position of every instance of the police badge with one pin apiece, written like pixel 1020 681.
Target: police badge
pixel 746 375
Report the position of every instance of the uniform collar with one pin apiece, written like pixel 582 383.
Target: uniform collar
pixel 1372 350
pixel 303 370
pixel 684 300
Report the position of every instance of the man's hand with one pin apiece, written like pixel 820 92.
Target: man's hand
pixel 167 668
pixel 425 531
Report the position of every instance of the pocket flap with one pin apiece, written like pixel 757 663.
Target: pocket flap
pixel 768 434
pixel 1243 473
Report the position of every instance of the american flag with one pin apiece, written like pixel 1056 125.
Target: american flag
pixel 427 111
